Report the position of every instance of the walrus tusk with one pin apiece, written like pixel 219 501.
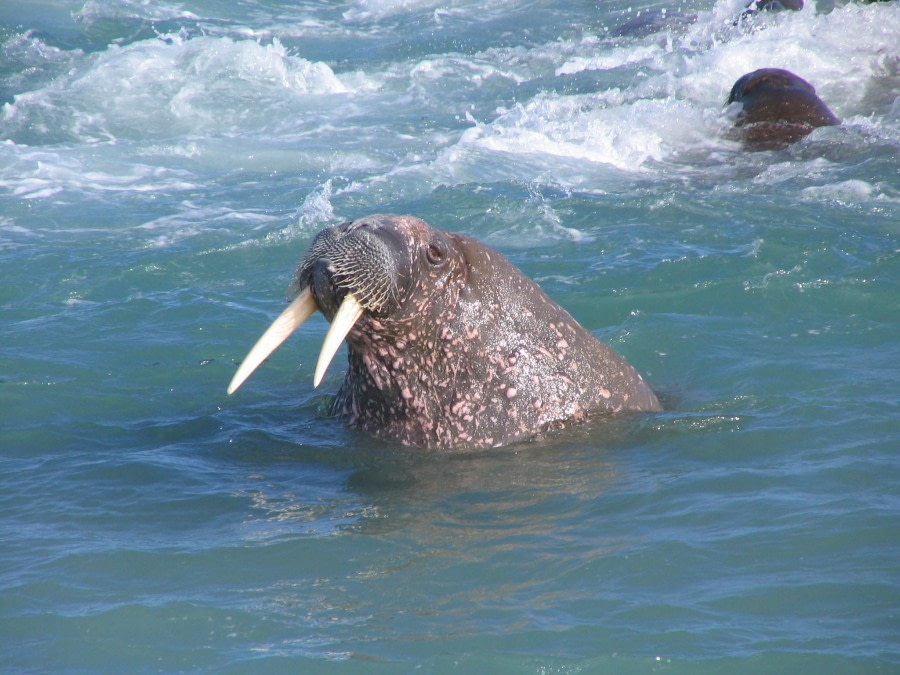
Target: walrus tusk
pixel 347 315
pixel 287 322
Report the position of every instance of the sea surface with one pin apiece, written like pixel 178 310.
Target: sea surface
pixel 164 165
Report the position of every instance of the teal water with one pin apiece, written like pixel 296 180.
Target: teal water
pixel 164 165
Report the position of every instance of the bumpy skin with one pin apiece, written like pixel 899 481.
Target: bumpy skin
pixel 463 350
pixel 779 108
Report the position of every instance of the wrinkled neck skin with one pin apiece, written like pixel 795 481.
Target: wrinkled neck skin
pixel 478 356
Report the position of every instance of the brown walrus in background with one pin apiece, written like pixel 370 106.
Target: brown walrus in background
pixel 778 108
pixel 774 6
pixel 648 21
pixel 450 345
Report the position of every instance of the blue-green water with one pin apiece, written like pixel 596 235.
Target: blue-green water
pixel 164 165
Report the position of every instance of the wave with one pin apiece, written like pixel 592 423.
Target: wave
pixel 170 86
pixel 592 109
pixel 666 92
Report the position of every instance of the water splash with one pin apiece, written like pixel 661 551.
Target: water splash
pixel 169 86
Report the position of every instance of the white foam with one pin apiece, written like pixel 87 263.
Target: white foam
pixel 624 134
pixel 314 213
pixel 30 54
pixel 316 208
pixel 98 10
pixel 850 192
pixel 14 236
pixel 672 107
pixel 474 70
pixel 582 110
pixel 528 223
pixel 372 10
pixel 39 174
pixel 195 219
pixel 610 59
pixel 172 86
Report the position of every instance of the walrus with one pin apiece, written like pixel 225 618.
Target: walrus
pixel 649 21
pixel 778 108
pixel 449 344
pixel 774 6
pixel 655 20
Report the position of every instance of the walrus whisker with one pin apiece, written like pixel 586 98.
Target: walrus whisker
pixel 287 322
pixel 344 319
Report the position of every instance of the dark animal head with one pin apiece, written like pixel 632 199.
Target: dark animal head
pixel 778 108
pixel 380 271
pixel 380 260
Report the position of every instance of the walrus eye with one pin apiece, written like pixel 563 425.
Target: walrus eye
pixel 436 252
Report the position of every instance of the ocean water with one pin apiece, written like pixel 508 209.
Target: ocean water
pixel 164 165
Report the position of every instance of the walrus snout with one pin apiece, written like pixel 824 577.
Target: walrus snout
pixel 324 288
pixel 349 269
pixel 359 258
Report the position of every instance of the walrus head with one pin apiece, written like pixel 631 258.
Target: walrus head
pixel 777 108
pixel 449 344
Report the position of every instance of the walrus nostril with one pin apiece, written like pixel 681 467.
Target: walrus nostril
pixel 322 284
